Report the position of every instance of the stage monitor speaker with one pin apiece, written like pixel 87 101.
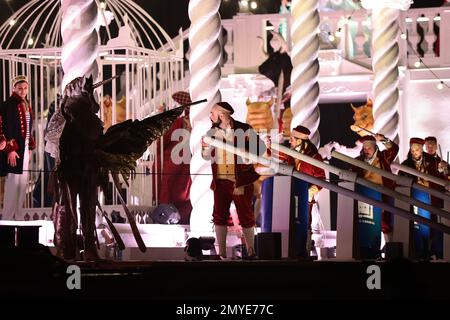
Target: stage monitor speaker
pixel 268 245
pixel 8 236
pixel 393 250
pixel 27 236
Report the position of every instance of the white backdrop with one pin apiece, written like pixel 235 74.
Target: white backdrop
pixel 425 111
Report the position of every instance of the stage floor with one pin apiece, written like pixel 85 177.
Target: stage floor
pixel 38 275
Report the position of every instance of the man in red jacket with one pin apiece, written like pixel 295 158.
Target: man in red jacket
pixel 232 178
pixel 431 147
pixel 383 160
pixel 17 120
pixel 425 163
pixel 300 142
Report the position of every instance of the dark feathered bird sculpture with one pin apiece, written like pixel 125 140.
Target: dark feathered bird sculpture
pixel 86 158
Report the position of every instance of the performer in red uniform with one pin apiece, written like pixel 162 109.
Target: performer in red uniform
pixel 425 163
pixel 299 141
pixel 431 148
pixel 16 124
pixel 383 160
pixel 232 178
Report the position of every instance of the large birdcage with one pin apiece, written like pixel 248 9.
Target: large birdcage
pixel 132 45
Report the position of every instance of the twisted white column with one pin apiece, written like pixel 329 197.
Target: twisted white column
pixel 305 73
pixel 385 32
pixel 80 39
pixel 205 77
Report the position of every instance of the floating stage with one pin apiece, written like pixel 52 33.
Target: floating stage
pixel 161 274
pixel 37 274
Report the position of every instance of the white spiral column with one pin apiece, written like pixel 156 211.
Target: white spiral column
pixel 305 73
pixel 80 39
pixel 205 77
pixel 385 57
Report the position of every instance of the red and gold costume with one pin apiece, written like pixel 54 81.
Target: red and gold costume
pixel 16 123
pixel 232 180
pixel 381 160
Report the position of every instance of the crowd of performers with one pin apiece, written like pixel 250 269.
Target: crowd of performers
pixel 233 180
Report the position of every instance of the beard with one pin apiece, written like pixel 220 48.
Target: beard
pixel 300 147
pixel 216 124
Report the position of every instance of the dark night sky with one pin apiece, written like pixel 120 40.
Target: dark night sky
pixel 173 14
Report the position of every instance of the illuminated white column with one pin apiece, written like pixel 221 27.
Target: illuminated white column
pixel 385 53
pixel 80 39
pixel 305 74
pixel 205 77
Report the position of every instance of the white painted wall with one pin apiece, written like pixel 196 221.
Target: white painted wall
pixel 425 111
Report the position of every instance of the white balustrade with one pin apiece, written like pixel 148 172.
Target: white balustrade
pixel 424 27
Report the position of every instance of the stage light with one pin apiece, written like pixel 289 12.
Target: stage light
pixel 12 22
pixel 30 41
pixel 417 64
pixel 253 5
pixel 244 3
pixel 102 5
pixel 403 36
pixel 338 33
pixel 440 86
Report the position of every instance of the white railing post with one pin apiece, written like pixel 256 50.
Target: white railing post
pixel 446 236
pixel 430 37
pixel 281 210
pixel 444 38
pixel 403 228
pixel 347 221
pixel 228 60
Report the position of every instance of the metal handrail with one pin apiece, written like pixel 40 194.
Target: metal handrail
pixel 422 175
pixel 360 181
pixel 404 181
pixel 401 180
pixel 289 171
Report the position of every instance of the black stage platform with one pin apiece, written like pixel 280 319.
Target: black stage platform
pixel 37 274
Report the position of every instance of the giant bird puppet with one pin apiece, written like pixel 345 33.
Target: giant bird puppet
pixel 86 158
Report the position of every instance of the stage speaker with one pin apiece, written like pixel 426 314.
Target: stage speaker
pixel 7 236
pixel 268 245
pixel 28 236
pixel 393 250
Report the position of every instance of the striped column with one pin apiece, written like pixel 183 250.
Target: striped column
pixel 205 77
